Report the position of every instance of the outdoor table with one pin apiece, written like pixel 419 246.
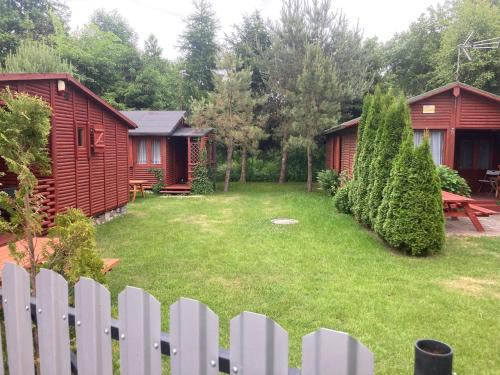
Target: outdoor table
pixel 136 186
pixel 456 206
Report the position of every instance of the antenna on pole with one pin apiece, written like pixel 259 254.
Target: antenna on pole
pixel 465 48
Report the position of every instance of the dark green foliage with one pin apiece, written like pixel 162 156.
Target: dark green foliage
pixel 203 182
pixel 199 46
pixel 374 119
pixel 341 199
pixel 28 20
pixel 395 128
pixel 353 191
pixel 452 182
pixel 415 220
pixel 74 247
pixel 160 180
pixel 328 181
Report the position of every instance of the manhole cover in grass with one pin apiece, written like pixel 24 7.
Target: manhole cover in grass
pixel 284 221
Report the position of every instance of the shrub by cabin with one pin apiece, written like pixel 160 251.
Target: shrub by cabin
pixel 163 140
pixel 464 130
pixel 88 147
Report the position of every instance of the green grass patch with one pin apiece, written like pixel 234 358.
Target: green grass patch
pixel 326 271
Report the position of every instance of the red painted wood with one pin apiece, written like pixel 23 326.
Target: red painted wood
pixel 458 108
pixel 94 182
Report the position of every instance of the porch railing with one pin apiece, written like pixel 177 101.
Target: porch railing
pixel 259 346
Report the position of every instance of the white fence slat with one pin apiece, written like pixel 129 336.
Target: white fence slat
pixel 194 338
pixel 17 315
pixel 93 328
pixel 52 322
pixel 259 346
pixel 139 314
pixel 1 355
pixel 328 352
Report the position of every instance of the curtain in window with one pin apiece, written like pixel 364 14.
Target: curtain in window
pixel 484 160
pixel 141 152
pixel 436 140
pixel 156 152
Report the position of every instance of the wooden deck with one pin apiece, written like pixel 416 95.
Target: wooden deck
pixel 177 189
pixel 40 244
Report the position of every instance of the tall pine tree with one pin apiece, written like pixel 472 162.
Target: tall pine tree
pixel 317 105
pixel 199 47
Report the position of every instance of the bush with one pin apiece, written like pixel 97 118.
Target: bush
pixel 328 181
pixel 160 180
pixel 415 220
pixel 452 182
pixel 73 241
pixel 203 182
pixel 341 198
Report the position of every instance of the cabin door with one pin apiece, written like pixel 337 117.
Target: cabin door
pixel 476 152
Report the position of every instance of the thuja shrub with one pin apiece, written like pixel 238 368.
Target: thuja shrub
pixel 74 254
pixel 341 199
pixel 415 220
pixel 452 182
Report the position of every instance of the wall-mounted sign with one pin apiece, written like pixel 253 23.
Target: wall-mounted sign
pixel 429 109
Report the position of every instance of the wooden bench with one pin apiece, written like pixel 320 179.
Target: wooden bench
pixel 481 211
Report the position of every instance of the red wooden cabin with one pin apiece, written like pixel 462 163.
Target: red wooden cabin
pixel 88 146
pixel 464 127
pixel 165 141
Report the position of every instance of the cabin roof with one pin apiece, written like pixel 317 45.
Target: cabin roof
pixel 191 132
pixel 66 77
pixel 423 96
pixel 155 122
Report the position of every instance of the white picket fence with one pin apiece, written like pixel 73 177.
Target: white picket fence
pixel 258 345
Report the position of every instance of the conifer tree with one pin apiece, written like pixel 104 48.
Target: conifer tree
pixel 373 120
pixel 367 102
pixel 394 129
pixel 415 220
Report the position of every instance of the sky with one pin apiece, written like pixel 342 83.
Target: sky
pixel 164 18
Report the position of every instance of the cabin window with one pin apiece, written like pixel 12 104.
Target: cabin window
pixel 142 157
pixel 155 152
pixel 484 155
pixel 436 141
pixel 80 137
pixel 466 153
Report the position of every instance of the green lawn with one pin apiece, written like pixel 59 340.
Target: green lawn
pixel 327 271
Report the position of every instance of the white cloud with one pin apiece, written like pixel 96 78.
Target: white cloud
pixel 164 19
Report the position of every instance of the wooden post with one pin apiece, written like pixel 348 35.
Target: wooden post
pixel 190 177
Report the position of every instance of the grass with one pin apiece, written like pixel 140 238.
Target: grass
pixel 326 271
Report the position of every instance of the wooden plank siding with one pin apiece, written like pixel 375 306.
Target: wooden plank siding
pixel 457 109
pixel 95 182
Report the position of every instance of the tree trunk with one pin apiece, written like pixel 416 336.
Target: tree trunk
pixel 229 164
pixel 309 169
pixel 29 241
pixel 243 174
pixel 284 158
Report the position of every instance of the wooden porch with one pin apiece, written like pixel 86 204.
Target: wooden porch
pixel 177 189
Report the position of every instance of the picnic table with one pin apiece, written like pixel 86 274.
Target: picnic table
pixel 136 186
pixel 456 206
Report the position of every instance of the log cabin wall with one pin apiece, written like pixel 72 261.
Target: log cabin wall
pixel 459 111
pixel 92 179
